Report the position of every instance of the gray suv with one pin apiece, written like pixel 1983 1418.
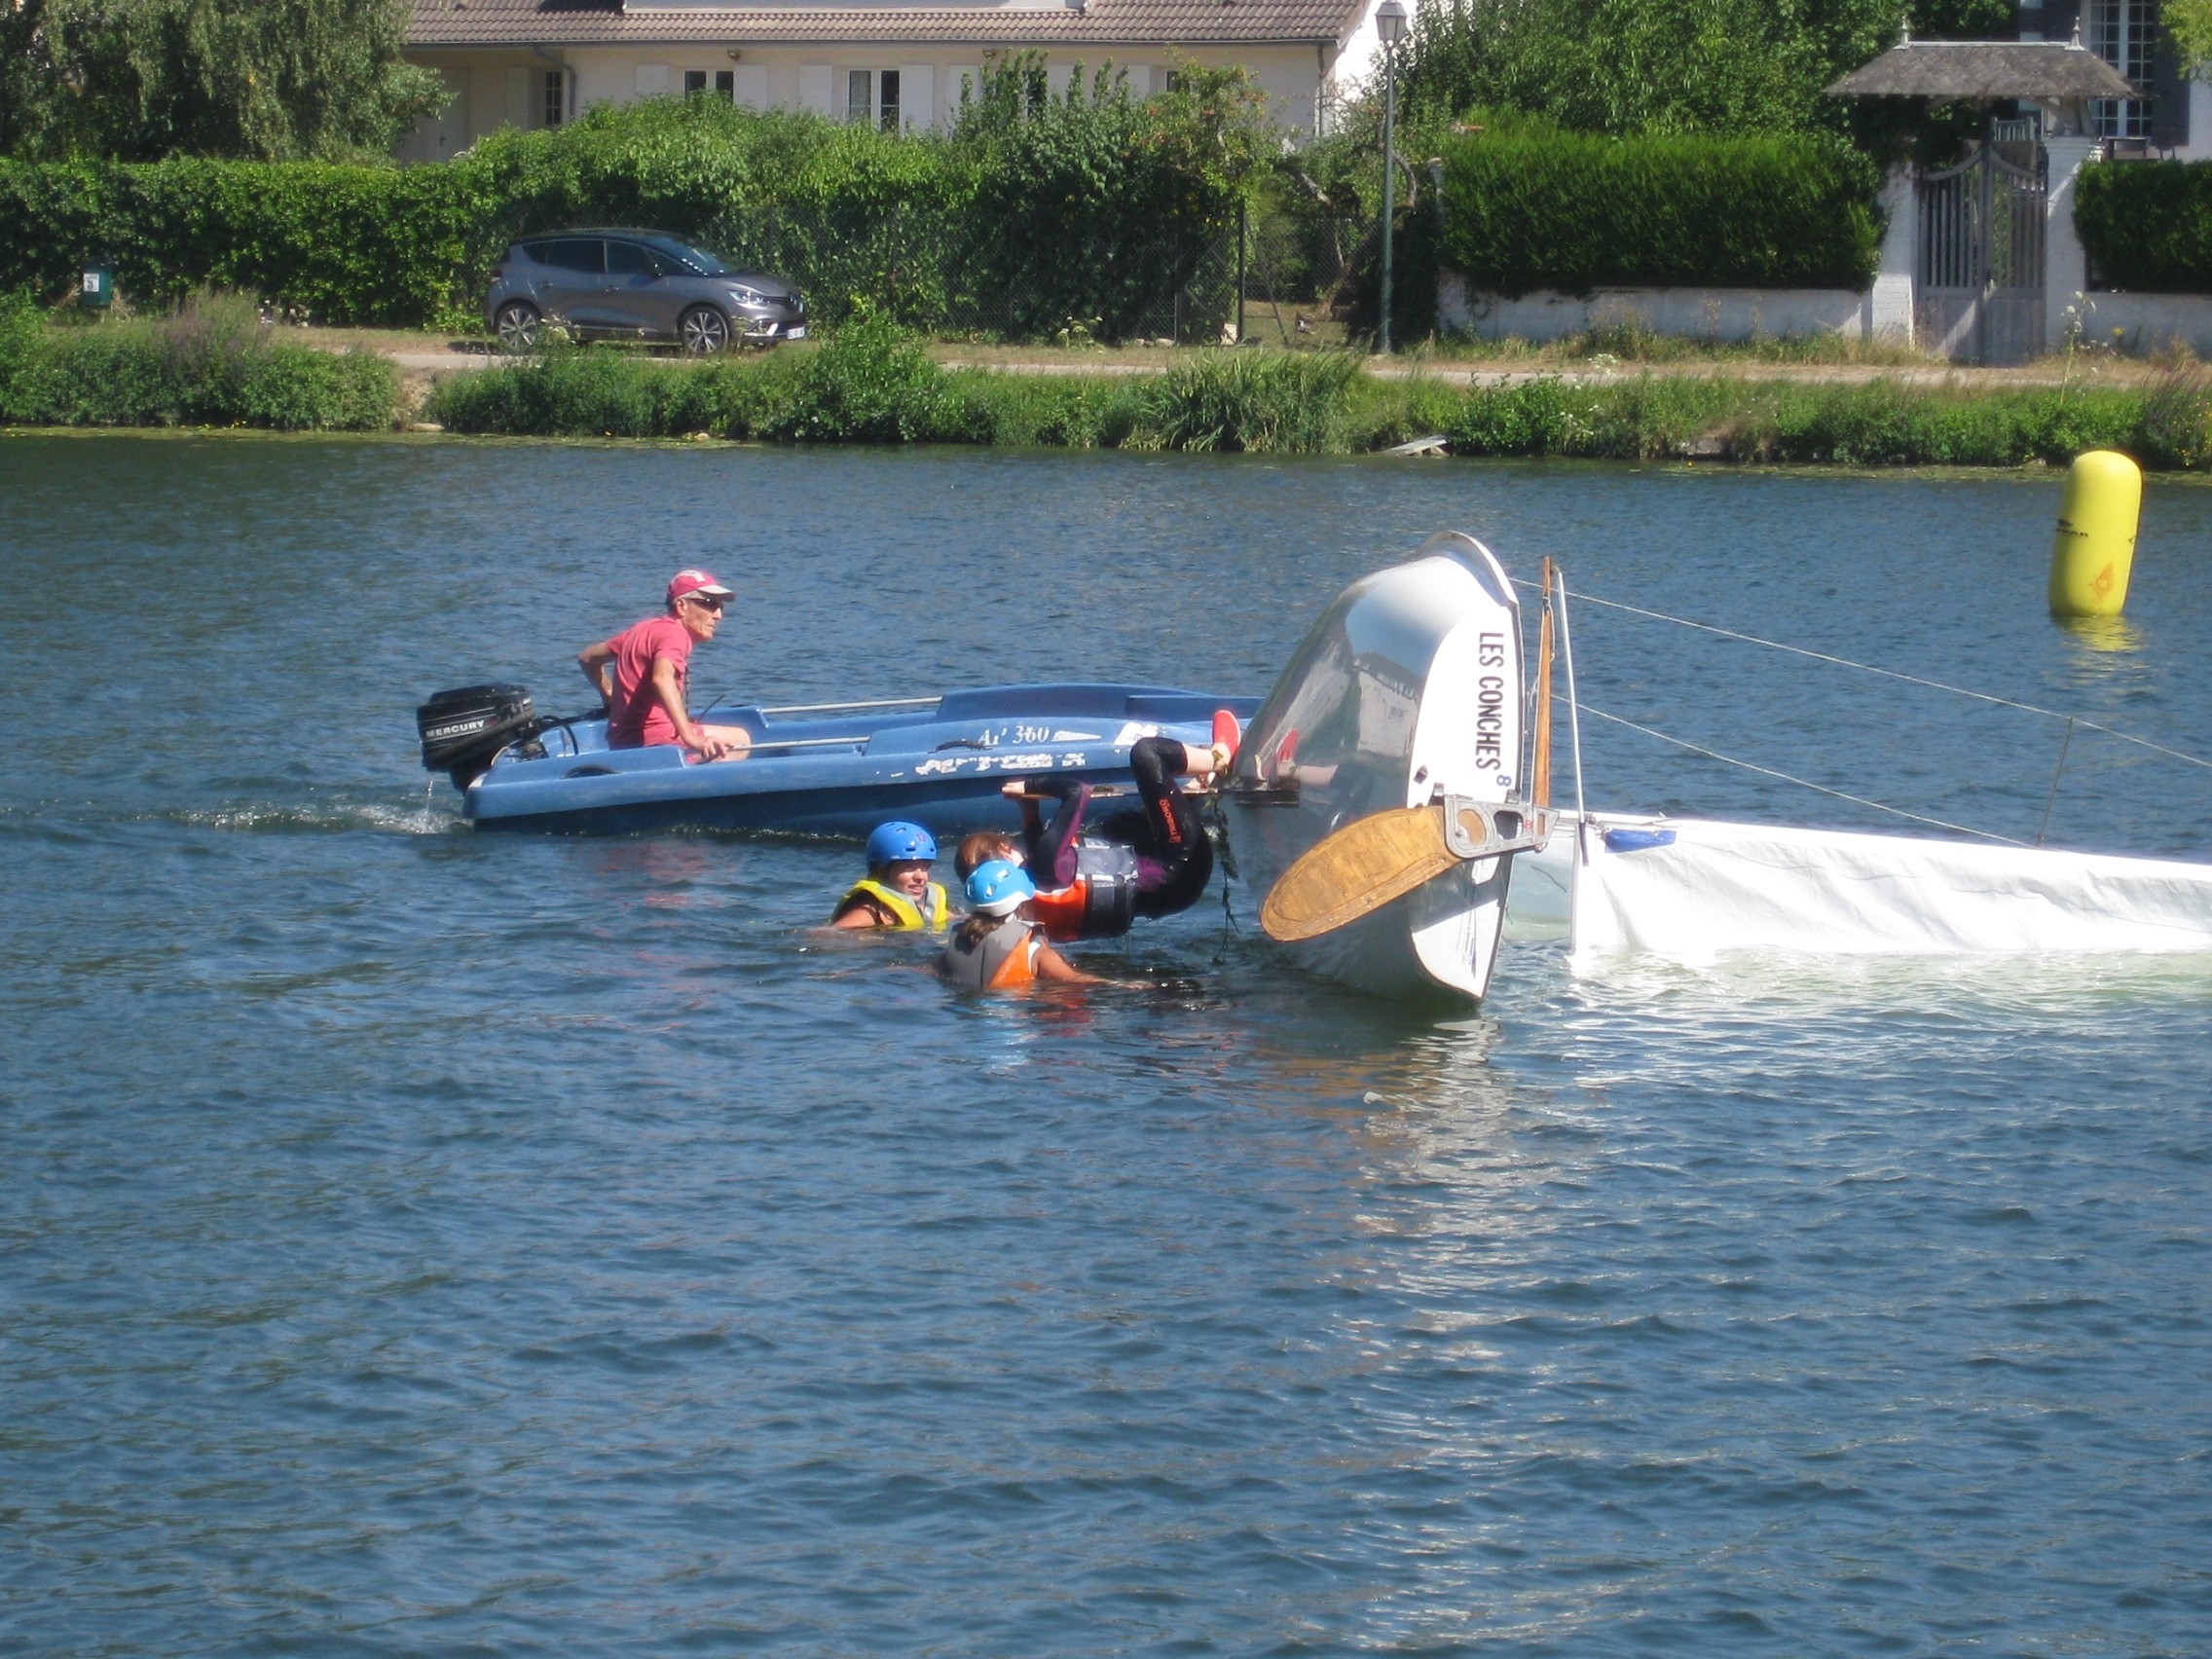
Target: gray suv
pixel 635 286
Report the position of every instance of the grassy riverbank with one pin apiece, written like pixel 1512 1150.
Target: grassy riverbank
pixel 213 363
pixel 872 386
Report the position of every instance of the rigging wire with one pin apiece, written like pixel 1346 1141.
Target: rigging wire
pixel 1803 783
pixel 1888 674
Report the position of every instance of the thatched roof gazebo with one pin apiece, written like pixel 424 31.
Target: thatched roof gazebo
pixel 2060 75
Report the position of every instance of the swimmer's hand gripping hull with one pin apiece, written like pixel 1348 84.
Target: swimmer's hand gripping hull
pixel 1358 868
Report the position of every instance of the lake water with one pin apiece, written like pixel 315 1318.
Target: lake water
pixel 413 1242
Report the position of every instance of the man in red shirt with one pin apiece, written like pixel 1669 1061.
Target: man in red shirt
pixel 643 672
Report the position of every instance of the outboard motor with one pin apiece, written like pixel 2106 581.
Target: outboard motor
pixel 464 730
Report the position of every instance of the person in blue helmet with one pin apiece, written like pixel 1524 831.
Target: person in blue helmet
pixel 1000 946
pixel 897 892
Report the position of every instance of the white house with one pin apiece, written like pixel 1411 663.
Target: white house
pixel 2172 118
pixel 534 64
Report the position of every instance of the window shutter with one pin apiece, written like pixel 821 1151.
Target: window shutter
pixel 814 88
pixel 2169 96
pixel 917 97
pixel 749 86
pixel 652 80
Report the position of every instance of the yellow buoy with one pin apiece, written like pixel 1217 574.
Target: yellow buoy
pixel 2094 550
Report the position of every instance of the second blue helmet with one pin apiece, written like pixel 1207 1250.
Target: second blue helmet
pixel 999 888
pixel 899 841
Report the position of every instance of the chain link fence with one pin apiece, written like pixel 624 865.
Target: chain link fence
pixel 1272 280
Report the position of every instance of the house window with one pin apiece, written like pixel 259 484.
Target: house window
pixel 552 96
pixel 2123 33
pixel 872 96
pixel 725 84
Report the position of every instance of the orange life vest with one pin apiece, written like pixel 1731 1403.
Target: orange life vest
pixel 1003 958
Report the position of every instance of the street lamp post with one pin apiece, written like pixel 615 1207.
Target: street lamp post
pixel 1390 25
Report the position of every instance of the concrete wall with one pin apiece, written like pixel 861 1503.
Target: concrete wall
pixel 2142 323
pixel 809 77
pixel 1722 314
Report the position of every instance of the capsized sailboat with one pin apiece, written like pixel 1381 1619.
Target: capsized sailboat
pixel 1405 698
pixel 1381 799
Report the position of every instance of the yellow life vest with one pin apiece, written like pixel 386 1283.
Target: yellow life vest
pixel 910 914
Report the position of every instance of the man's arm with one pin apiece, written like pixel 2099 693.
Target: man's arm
pixel 670 691
pixel 596 662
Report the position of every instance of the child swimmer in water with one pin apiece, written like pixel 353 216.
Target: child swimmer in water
pixel 897 892
pixel 1000 947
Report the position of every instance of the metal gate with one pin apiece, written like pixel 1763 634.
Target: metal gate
pixel 1981 277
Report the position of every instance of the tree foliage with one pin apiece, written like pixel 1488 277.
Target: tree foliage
pixel 1666 66
pixel 1090 203
pixel 261 79
pixel 2188 25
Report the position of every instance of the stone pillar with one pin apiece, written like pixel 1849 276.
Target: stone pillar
pixel 2065 264
pixel 1889 307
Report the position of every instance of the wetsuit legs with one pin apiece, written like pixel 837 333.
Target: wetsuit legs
pixel 1176 860
pixel 1051 849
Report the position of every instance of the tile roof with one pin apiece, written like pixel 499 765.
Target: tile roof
pixel 593 23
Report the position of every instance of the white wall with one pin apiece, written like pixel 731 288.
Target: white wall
pixel 781 77
pixel 2141 323
pixel 1720 314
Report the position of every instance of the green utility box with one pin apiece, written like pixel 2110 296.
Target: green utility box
pixel 96 292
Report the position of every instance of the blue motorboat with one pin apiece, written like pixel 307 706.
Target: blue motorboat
pixel 821 768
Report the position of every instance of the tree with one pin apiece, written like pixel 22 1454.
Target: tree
pixel 2188 25
pixel 1625 66
pixel 263 80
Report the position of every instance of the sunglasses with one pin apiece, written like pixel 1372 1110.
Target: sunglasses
pixel 713 604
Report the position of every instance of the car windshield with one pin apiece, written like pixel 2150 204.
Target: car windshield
pixel 697 261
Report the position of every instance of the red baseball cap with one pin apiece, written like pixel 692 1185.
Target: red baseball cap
pixel 696 581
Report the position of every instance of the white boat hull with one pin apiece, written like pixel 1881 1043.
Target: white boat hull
pixel 1408 688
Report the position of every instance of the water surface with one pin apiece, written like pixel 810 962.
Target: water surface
pixel 419 1244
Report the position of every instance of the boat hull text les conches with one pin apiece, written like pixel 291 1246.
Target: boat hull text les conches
pixel 822 769
pixel 1407 692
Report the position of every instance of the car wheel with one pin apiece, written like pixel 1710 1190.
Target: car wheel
pixel 703 331
pixel 518 327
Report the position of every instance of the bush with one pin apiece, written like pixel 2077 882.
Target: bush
pixel 347 245
pixel 1537 208
pixel 2148 225
pixel 876 387
pixel 1073 205
pixel 1266 401
pixel 208 364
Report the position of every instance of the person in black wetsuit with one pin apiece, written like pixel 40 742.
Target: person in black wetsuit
pixel 1151 861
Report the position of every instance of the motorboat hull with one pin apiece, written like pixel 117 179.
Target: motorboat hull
pixel 840 770
pixel 1408 690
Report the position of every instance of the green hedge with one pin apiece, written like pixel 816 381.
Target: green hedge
pixel 1534 209
pixel 2148 225
pixel 1085 205
pixel 347 244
